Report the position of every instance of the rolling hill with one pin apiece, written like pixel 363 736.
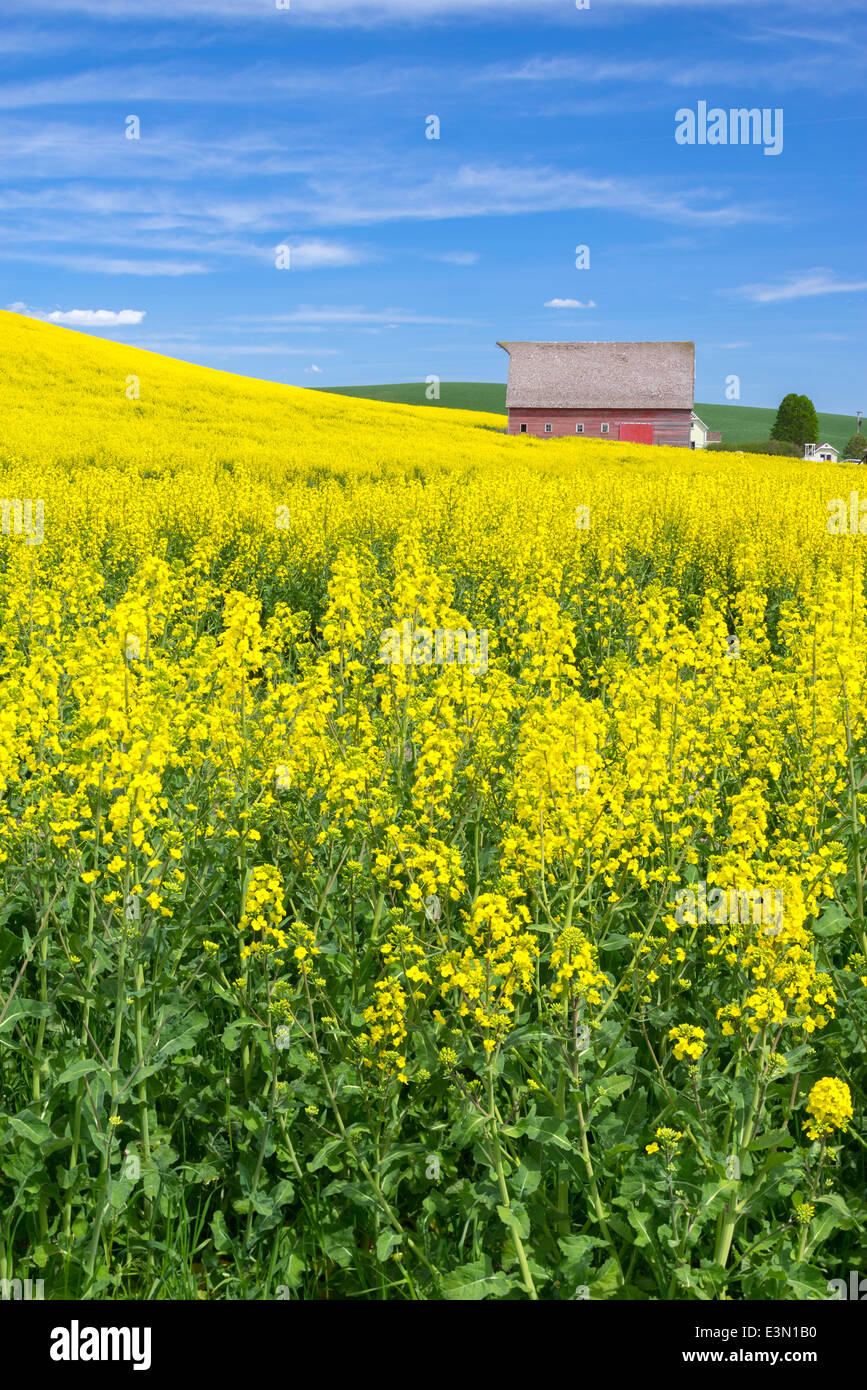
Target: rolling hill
pixel 738 424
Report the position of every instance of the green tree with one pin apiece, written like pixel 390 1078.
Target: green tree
pixel 856 448
pixel 797 421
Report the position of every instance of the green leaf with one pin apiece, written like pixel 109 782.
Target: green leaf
pixel 516 1218
pixel 231 1038
pixel 472 1282
pixel 222 1239
pixel 837 1204
pixel 151 1184
pixel 190 1026
pixel 577 1251
pixel 84 1067
pixel 292 1275
pixel 607 1281
pixel 526 1177
pixel 31 1127
pixel 779 1138
pixel 774 1161
pixel 386 1242
pixel 26 1008
pixel 119 1193
pixel 833 921
pixel 339 1246
pixel 607 1088
pixel 640 1222
pixel 329 1156
pixel 544 1129
pixel 10 946
pixel 351 1192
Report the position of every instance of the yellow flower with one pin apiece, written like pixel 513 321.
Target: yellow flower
pixel 688 1040
pixel 830 1107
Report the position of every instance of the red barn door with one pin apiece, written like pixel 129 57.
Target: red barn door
pixel 637 434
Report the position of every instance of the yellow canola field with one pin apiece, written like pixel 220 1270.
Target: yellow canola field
pixel 675 644
pixel 313 681
pixel 374 783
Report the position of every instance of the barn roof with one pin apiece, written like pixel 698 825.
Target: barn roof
pixel 575 376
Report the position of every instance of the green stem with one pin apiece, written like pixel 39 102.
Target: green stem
pixel 504 1191
pixel 594 1190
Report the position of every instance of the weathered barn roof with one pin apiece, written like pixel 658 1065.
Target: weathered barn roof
pixel 592 376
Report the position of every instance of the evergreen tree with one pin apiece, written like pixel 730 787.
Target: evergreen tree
pixel 797 421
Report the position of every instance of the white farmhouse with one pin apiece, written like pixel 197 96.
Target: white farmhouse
pixel 697 433
pixel 824 452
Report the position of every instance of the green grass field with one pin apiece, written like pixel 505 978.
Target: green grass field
pixel 738 424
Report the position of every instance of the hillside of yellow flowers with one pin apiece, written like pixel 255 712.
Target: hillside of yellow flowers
pixel 431 861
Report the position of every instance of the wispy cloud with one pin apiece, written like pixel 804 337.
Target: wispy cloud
pixel 806 285
pixel 337 193
pixel 265 350
pixel 456 257
pixel 476 189
pixel 104 265
pixel 182 345
pixel 367 11
pixel 566 68
pixel 569 304
pixel 311 314
pixel 199 80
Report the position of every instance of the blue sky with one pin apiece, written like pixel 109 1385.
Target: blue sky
pixel 306 127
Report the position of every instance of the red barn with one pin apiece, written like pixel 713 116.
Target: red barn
pixel 642 392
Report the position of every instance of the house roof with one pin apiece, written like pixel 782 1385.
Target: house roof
pixel 815 447
pixel 636 376
pixel 697 420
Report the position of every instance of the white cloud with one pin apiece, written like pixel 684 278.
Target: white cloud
pixel 806 285
pixel 318 255
pixel 457 257
pixel 313 368
pixel 98 318
pixel 569 304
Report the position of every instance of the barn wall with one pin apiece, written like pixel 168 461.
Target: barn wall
pixel 669 426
